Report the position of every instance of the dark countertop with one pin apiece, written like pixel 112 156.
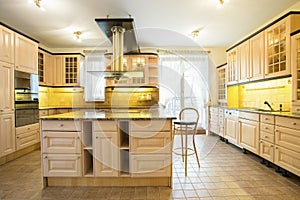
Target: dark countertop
pixel 137 114
pixel 265 112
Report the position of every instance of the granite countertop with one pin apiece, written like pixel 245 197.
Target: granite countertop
pixel 112 114
pixel 265 112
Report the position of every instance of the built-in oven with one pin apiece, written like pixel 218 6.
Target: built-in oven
pixel 26 99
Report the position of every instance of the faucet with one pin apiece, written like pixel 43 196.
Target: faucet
pixel 267 103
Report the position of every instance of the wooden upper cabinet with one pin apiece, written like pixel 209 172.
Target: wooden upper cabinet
pixel 45 68
pixel 232 66
pixel 296 72
pixel 6 87
pixel 6 45
pixel 26 54
pixel 256 69
pixel 243 61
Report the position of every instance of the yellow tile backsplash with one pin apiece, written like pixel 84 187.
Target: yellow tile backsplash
pixel 253 95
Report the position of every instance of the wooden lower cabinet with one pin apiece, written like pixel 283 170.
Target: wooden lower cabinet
pixel 249 135
pixel 7 134
pixel 287 159
pixel 61 165
pixel 231 130
pixel 150 165
pixel 288 138
pixel 106 154
pixel 27 136
pixel 266 150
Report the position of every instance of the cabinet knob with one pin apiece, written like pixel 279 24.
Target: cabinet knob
pixel 78 157
pixel 97 137
pixel 45 136
pixel 28 128
pixel 266 128
pixel 261 141
pixel 18 137
pixel 78 138
pixel 298 109
pixel 276 147
pixel 266 118
pixel 12 109
pixel 61 125
pixel 271 145
pixel 1 110
pixel 266 136
pixel 294 123
pixel 17 66
pixel 45 157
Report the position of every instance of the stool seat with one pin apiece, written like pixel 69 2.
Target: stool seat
pixel 184 123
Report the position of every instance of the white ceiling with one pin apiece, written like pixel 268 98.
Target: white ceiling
pixel 159 23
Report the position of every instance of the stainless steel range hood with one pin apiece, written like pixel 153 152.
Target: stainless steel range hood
pixel 122 35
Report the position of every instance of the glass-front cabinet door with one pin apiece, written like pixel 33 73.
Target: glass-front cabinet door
pixel 277 49
pixel 296 73
pixel 232 66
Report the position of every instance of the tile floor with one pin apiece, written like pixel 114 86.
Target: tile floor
pixel 225 173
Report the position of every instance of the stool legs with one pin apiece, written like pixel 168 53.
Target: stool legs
pixel 196 151
pixel 186 152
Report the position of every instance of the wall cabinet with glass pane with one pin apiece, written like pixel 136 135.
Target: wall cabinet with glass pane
pixel 296 73
pixel 45 68
pixel 222 87
pixel 232 67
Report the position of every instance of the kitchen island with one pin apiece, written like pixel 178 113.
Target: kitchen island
pixel 115 147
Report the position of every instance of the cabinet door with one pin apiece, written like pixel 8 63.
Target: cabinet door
pixel 26 139
pixel 243 61
pixel 6 45
pixel 6 87
pixel 48 69
pixel 58 71
pixel 41 67
pixel 296 67
pixel 266 150
pixel 7 134
pixel 71 72
pixel 249 135
pixel 288 138
pixel 62 165
pixel 231 130
pixel 106 154
pixel 256 69
pixel 232 66
pixel 287 159
pixel 277 49
pixel 150 165
pixel 61 142
pixel 26 54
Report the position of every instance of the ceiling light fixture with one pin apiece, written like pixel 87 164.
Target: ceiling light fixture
pixel 195 34
pixel 221 3
pixel 38 4
pixel 76 36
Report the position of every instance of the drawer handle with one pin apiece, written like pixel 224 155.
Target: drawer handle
pixel 266 136
pixel 294 123
pixel 18 137
pixel 271 145
pixel 266 128
pixel 78 157
pixel 266 118
pixel 45 157
pixel 97 137
pixel 45 136
pixel 61 125
pixel 1 110
pixel 261 141
pixel 298 109
pixel 78 138
pixel 28 128
pixel 276 147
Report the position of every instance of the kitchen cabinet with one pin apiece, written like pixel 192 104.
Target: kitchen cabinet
pixel 231 126
pixel 6 87
pixel 106 148
pixel 243 61
pixel 61 148
pixel 222 87
pixel 257 58
pixel 7 134
pixel 27 136
pixel 7 45
pixel 267 137
pixel 67 70
pixel 26 54
pixel 145 63
pixel 249 131
pixel 295 51
pixel 232 66
pixel 45 68
pixel 214 120
pixel 287 143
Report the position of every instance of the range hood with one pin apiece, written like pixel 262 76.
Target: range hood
pixel 122 35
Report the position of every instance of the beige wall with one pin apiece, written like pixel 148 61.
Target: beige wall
pixel 217 55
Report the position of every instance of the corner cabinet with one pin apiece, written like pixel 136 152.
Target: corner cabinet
pixel 7 53
pixel 26 54
pixel 67 70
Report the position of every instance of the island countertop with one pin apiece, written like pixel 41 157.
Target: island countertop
pixel 109 114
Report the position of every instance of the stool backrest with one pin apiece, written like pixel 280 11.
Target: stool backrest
pixel 190 115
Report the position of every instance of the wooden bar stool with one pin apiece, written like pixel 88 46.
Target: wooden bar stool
pixel 187 125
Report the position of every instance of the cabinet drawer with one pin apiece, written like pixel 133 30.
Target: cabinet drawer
pixel 288 138
pixel 59 165
pixel 43 113
pixel 266 150
pixel 61 142
pixel 27 128
pixel 269 119
pixel 288 122
pixel 26 139
pixel 287 159
pixel 105 126
pixel 214 110
pixel 150 165
pixel 150 125
pixel 61 125
pixel 267 136
pixel 267 128
pixel 249 115
pixel 147 142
